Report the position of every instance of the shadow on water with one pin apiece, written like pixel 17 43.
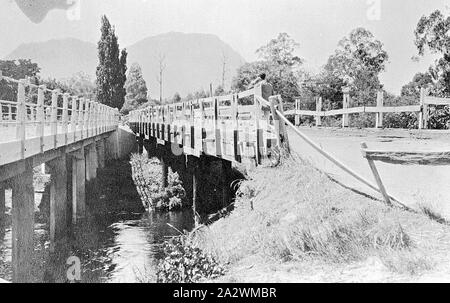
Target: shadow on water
pixel 117 242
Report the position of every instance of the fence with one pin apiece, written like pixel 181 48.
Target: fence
pixel 30 125
pixel 422 109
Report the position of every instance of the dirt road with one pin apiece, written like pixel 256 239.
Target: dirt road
pixel 414 185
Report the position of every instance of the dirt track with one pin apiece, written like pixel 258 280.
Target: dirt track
pixel 414 185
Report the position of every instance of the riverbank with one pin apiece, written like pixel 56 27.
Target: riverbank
pixel 293 224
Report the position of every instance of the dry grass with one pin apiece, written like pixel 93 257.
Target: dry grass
pixel 294 213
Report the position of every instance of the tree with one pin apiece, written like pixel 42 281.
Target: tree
pixel 432 33
pixel 80 84
pixel 136 89
pixel 16 69
pixel 280 51
pixel 420 80
pixel 285 84
pixel 357 62
pixel 111 69
pixel 176 98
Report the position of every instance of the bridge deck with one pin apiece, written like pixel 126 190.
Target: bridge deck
pixel 32 125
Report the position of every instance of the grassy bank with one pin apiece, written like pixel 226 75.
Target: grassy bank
pixel 293 224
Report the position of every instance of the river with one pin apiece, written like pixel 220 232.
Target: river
pixel 118 242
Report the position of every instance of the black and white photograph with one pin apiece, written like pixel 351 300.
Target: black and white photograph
pixel 224 148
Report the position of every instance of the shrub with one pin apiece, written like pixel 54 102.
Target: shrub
pixel 186 263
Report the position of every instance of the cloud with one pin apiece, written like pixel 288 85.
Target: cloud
pixel 36 11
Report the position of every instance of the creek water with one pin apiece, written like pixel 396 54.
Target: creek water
pixel 118 241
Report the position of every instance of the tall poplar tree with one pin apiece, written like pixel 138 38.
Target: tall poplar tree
pixel 111 71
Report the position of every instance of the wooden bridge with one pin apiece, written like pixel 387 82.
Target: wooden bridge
pixel 73 136
pixel 237 128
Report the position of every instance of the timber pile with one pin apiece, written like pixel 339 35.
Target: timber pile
pixel 143 185
pixel 410 158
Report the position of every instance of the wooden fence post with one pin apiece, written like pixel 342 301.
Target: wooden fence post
pixel 65 116
pixel 345 105
pixel 423 116
pixel 40 116
pixel 297 115
pixel 73 118
pixel 21 116
pixel 379 115
pixel 54 117
pixel 318 111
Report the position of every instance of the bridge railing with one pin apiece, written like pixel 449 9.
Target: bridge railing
pixel 380 109
pixel 231 127
pixel 41 119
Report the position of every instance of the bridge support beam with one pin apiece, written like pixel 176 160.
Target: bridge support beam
pixel 194 168
pixel 78 186
pixel 165 165
pixel 112 146
pixel 22 225
pixel 226 191
pixel 58 198
pixel 140 141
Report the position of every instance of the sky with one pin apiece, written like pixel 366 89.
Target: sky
pixel 317 25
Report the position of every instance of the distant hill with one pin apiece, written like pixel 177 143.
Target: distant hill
pixel 193 61
pixel 59 58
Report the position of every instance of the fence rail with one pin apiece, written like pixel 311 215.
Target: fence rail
pixel 422 109
pixel 46 119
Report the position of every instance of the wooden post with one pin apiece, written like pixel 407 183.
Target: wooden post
pixel 81 114
pixel 65 117
pixel 54 117
pixel 376 175
pixel 297 108
pixel 345 105
pixel 58 198
pixel 226 171
pixel 78 185
pixel 194 165
pixel 217 136
pixel 379 115
pixel 257 115
pixel 22 225
pixel 164 165
pixel 40 116
pixel 423 116
pixel 74 118
pixel 235 115
pixel 318 111
pixel 21 116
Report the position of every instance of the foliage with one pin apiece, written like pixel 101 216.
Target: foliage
pixel 176 98
pixel 356 63
pixel 420 80
pixel 147 177
pixel 185 262
pixel 280 51
pixel 136 89
pixel 111 71
pixel 16 69
pixel 432 32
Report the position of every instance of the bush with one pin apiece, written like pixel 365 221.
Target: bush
pixel 186 263
pixel 401 120
pixel 147 177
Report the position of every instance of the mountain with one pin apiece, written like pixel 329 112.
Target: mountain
pixel 59 58
pixel 192 61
